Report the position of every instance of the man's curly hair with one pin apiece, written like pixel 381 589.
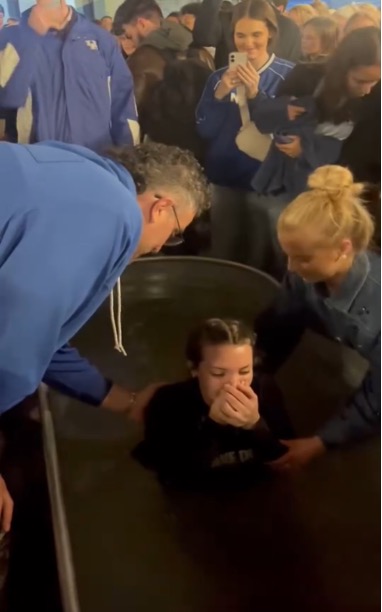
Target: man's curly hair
pixel 162 168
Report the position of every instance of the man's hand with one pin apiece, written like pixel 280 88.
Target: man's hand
pixel 250 78
pixel 48 14
pixel 291 149
pixel 6 507
pixel 300 453
pixel 142 400
pixel 238 407
pixel 133 405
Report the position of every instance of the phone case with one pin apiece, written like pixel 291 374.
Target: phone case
pixel 236 59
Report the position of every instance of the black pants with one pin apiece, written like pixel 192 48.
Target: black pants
pixel 32 581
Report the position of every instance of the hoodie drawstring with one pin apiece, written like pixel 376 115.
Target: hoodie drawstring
pixel 117 325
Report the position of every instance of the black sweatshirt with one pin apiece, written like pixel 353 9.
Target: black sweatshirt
pixel 183 443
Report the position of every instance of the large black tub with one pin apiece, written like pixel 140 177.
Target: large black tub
pixel 308 543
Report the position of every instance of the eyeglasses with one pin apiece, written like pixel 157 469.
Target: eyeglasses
pixel 176 237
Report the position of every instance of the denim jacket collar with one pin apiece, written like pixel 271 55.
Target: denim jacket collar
pixel 351 286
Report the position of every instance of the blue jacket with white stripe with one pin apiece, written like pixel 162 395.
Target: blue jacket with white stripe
pixel 219 122
pixel 71 85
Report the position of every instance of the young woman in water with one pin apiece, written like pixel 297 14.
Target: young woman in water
pixel 211 422
pixel 334 285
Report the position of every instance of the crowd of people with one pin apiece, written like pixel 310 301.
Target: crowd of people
pixel 121 136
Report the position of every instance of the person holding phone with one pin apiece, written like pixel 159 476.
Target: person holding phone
pixel 252 70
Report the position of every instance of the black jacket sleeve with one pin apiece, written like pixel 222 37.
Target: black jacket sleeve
pixel 288 43
pixel 208 29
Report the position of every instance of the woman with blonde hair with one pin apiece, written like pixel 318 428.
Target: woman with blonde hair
pixel 319 38
pixel 301 13
pixel 360 20
pixel 343 14
pixel 333 284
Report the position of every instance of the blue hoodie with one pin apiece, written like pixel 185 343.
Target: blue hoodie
pixel 69 225
pixel 73 85
pixel 219 122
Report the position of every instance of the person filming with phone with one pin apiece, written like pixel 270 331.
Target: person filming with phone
pixel 224 117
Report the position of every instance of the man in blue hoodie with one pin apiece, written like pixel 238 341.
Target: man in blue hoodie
pixel 67 79
pixel 70 222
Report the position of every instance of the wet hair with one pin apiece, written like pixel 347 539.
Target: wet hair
pixel 328 32
pixel 302 13
pixel 131 10
pixel 372 21
pixel 333 207
pixel 191 9
pixel 157 166
pixel 359 48
pixel 216 332
pixel 260 10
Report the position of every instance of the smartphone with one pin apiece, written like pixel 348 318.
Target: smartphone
pixel 283 139
pixel 236 59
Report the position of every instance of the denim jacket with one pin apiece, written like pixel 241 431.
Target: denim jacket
pixel 352 317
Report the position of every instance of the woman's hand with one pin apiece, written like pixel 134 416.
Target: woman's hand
pixel 291 149
pixel 250 78
pixel 294 112
pixel 238 407
pixel 229 81
pixel 300 452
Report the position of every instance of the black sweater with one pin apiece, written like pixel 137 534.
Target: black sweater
pixel 182 443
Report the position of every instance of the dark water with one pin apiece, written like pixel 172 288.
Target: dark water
pixel 310 543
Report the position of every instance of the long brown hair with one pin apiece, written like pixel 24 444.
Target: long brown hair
pixel 359 48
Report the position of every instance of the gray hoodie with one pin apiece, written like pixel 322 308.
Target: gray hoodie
pixel 170 36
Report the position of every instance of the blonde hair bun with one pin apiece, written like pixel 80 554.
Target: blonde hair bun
pixel 334 181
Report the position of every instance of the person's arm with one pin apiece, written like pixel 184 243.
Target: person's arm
pixel 361 418
pixel 19 47
pixel 208 28
pixel 124 118
pixel 211 114
pixel 72 375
